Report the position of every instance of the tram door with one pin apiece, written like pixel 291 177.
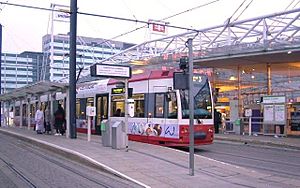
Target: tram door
pixel 101 111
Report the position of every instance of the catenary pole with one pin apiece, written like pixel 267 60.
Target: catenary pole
pixel 0 69
pixel 72 67
pixel 191 107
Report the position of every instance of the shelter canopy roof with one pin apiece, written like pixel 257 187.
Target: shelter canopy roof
pixel 39 88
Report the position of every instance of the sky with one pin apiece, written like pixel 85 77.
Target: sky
pixel 23 28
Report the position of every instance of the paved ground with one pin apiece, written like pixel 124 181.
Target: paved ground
pixel 155 166
pixel 288 142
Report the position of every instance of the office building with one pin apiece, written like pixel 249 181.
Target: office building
pixel 89 51
pixel 19 70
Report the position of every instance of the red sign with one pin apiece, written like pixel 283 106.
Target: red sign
pixel 159 28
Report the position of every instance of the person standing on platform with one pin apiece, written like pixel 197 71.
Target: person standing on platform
pixel 47 116
pixel 217 120
pixel 39 120
pixel 59 120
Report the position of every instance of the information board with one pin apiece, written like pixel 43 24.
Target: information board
pixel 104 70
pixel 268 113
pixel 279 113
pixel 274 110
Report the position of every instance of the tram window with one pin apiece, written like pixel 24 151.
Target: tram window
pixel 90 101
pixel 172 105
pixel 139 105
pixel 117 106
pixel 77 108
pixel 81 108
pixel 159 105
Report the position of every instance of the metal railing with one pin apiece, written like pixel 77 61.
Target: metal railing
pixel 258 127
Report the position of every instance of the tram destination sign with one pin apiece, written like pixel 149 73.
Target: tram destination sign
pixel 104 70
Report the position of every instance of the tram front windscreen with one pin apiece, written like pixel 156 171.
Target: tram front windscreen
pixel 202 99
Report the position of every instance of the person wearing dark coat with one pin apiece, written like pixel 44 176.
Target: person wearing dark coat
pixel 59 116
pixel 217 120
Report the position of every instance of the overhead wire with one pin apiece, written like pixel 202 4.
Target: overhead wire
pixel 144 26
pixel 296 4
pixel 191 9
pixel 129 9
pixel 3 6
pixel 290 4
pixel 147 25
pixel 229 19
pixel 97 15
pixel 247 6
pixel 272 27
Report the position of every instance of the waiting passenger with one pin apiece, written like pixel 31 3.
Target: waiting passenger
pixel 47 118
pixel 217 120
pixel 59 120
pixel 39 120
pixel 118 113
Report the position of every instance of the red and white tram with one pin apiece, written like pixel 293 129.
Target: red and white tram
pixel 161 114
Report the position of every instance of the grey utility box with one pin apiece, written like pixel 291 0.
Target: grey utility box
pixel 118 135
pixel 106 133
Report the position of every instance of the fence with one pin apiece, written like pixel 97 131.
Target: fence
pixel 258 127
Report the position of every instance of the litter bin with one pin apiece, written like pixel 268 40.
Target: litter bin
pixel 237 126
pixel 106 133
pixel 118 135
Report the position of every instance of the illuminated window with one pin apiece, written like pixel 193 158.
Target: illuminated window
pixel 159 105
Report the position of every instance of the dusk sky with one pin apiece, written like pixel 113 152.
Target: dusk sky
pixel 23 28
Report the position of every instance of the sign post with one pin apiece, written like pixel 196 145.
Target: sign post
pixel 248 113
pixel 191 106
pixel 116 71
pixel 90 112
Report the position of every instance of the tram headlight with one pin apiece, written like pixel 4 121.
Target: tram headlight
pixel 184 130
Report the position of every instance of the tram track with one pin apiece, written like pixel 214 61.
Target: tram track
pixel 61 165
pixel 259 167
pixel 44 154
pixel 19 174
pixel 255 163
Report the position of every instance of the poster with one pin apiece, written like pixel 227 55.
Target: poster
pixel 268 113
pixel 279 113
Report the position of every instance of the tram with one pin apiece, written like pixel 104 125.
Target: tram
pixel 161 113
